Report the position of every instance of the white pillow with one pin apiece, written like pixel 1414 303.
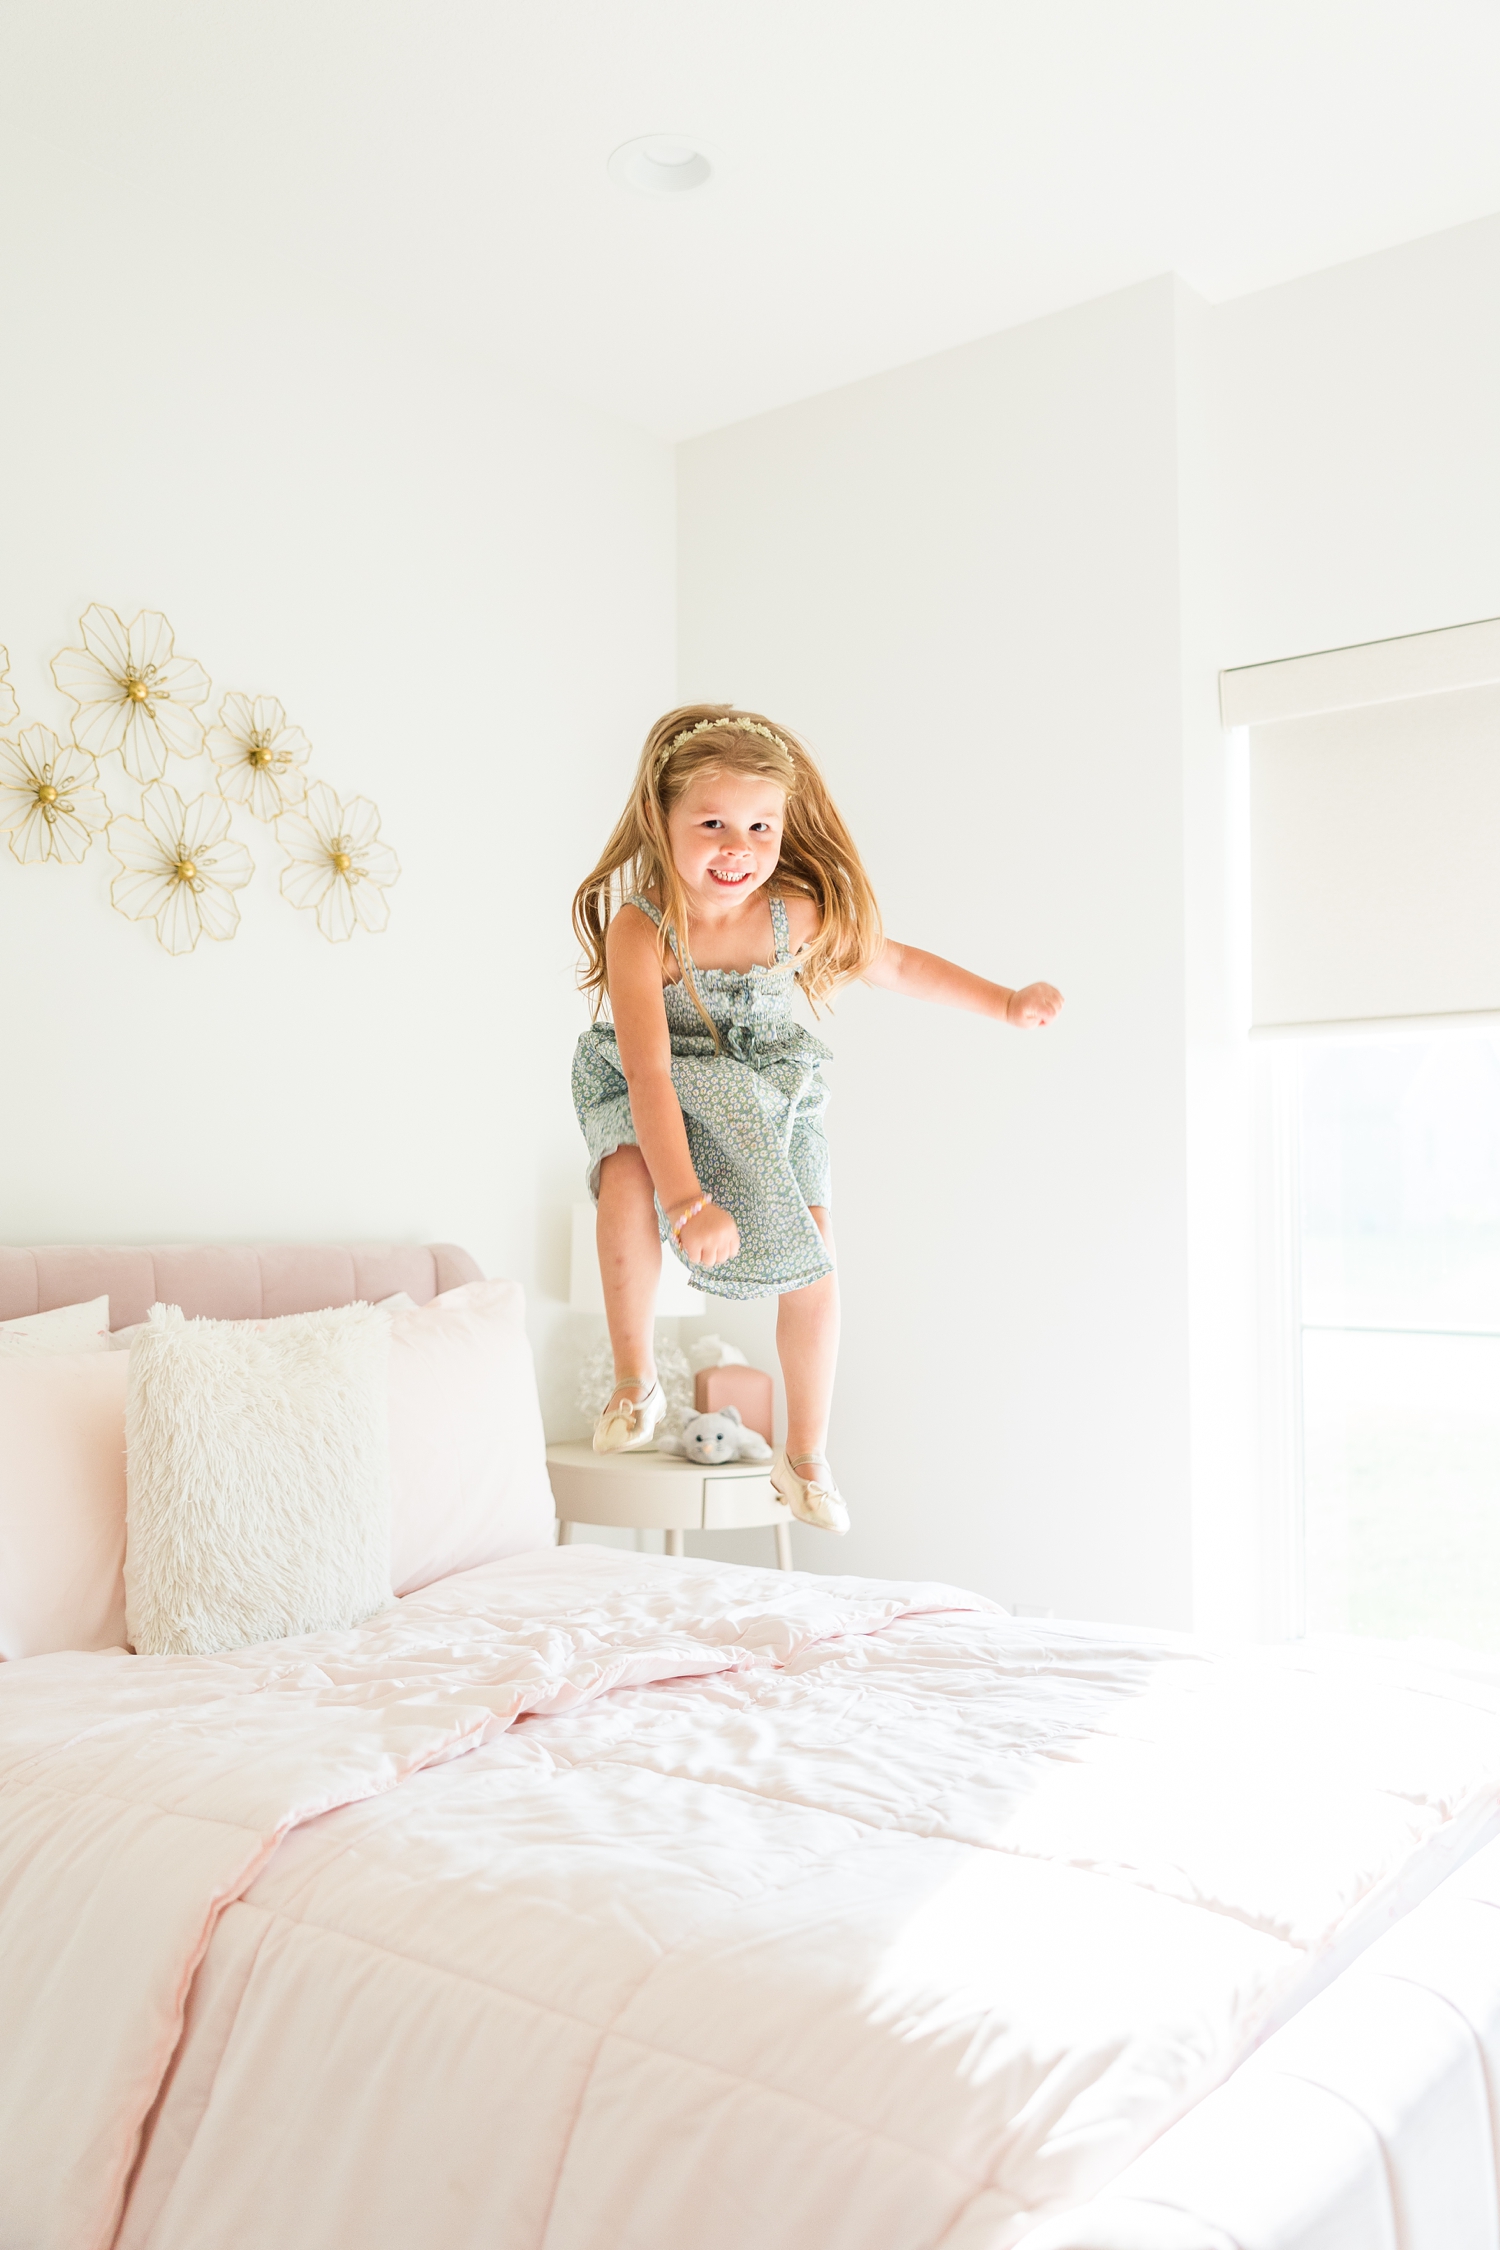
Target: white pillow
pixel 468 1458
pixel 69 1328
pixel 257 1478
pixel 62 1502
pixel 120 1339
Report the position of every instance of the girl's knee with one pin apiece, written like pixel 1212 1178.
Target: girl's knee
pixel 623 1176
pixel 623 1163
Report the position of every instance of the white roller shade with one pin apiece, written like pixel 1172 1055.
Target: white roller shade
pixel 1374 839
pixel 1339 679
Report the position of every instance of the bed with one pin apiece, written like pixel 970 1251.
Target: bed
pixel 591 1901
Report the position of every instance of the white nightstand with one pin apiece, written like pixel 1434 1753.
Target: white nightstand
pixel 657 1491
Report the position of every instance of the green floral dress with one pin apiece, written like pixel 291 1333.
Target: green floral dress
pixel 754 1115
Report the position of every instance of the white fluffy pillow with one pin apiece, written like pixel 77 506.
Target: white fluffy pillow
pixel 68 1328
pixel 257 1478
pixel 121 1339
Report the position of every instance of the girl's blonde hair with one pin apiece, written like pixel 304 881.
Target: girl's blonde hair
pixel 818 856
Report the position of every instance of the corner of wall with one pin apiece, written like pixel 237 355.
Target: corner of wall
pixel 1219 1172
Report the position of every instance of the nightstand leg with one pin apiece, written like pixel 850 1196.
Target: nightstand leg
pixel 564 1532
pixel 783 1546
pixel 671 1542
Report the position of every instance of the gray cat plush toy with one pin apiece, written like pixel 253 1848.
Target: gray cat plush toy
pixel 711 1439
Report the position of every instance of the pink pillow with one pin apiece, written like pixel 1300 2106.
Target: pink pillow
pixel 62 1502
pixel 468 1458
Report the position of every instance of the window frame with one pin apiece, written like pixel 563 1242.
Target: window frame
pixel 1276 1096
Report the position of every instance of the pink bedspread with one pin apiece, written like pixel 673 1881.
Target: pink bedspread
pixel 592 1902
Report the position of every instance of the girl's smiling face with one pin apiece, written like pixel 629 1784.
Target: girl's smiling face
pixel 725 833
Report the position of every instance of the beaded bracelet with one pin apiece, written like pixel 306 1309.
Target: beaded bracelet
pixel 676 1225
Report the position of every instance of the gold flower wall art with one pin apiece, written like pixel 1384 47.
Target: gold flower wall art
pixel 133 694
pixel 181 867
pixel 337 863
pixel 49 799
pixel 135 699
pixel 259 757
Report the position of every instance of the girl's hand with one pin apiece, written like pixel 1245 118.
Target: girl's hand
pixel 1034 1007
pixel 710 1238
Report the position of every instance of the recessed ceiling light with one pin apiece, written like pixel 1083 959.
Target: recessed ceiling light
pixel 659 164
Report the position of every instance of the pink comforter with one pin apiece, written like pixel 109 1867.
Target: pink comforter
pixel 794 1912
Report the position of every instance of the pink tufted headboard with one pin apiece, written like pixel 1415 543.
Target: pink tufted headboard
pixel 228 1283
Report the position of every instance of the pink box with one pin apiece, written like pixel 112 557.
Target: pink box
pixel 748 1388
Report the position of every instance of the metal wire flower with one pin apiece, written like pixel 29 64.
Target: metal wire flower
pixel 8 704
pixel 258 755
pixel 48 798
pixel 181 867
pixel 133 695
pixel 337 862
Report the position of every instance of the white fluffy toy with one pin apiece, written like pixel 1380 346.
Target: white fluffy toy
pixel 714 1438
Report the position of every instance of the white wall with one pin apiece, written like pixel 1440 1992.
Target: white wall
pixel 960 581
pixel 465 598
pixel 1224 1425
pixel 1356 449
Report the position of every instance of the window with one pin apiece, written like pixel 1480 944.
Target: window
pixel 1400 1333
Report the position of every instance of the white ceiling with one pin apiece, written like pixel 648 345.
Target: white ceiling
pixel 892 176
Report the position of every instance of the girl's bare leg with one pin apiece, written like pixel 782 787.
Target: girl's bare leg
pixel 807 1344
pixel 629 1266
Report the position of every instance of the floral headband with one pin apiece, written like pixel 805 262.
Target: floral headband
pixel 739 726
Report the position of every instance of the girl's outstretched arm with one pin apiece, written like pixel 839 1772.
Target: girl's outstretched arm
pixel 927 976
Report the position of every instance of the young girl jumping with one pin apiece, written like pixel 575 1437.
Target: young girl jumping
pixel 729 877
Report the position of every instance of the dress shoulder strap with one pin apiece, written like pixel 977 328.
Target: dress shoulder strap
pixel 646 907
pixel 780 927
